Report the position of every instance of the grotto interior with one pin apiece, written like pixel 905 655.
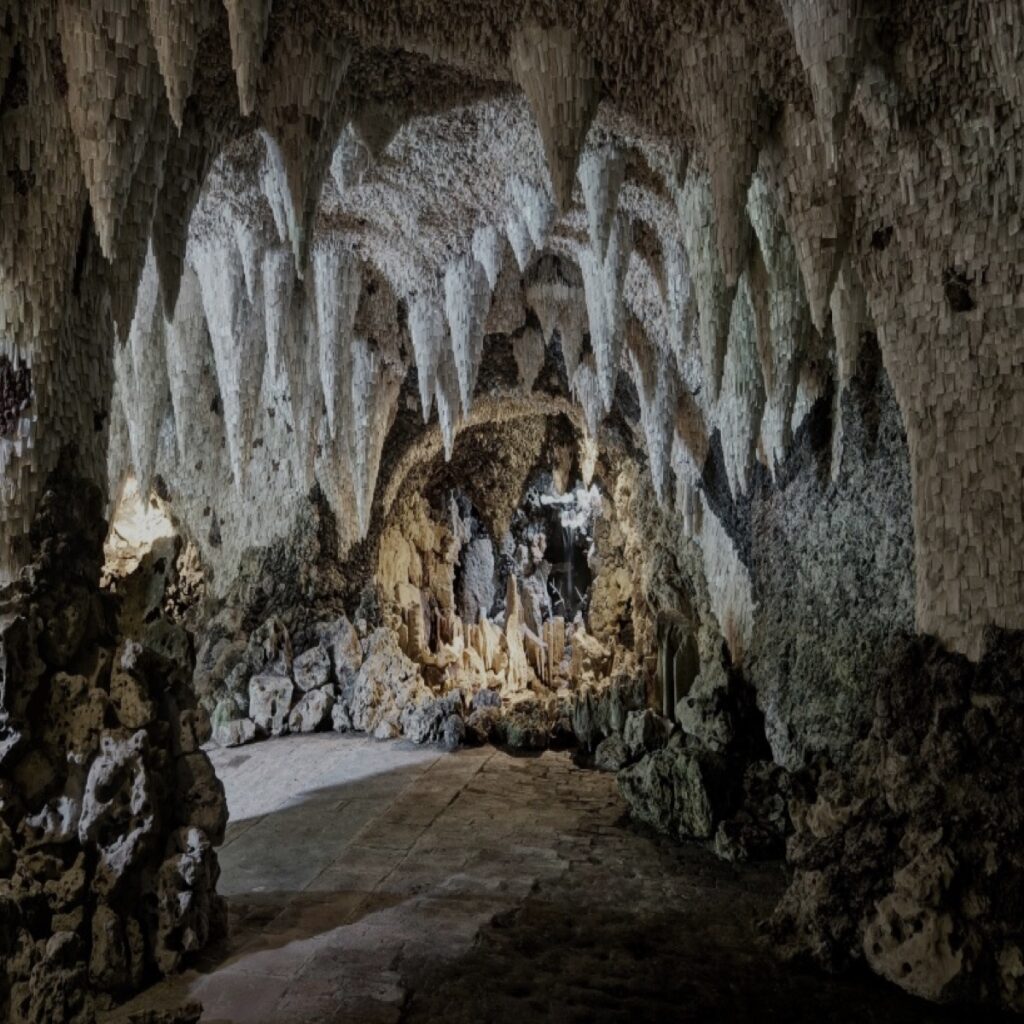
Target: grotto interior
pixel 564 467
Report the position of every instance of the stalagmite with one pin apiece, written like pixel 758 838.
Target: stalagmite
pixel 337 283
pixel 113 88
pixel 176 26
pixel 248 21
pixel 561 84
pixel 830 38
pixel 602 282
pixel 466 299
pixel 303 113
pixel 601 174
pixel 429 338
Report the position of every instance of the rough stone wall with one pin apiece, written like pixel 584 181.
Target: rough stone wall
pixel 109 809
pixel 832 562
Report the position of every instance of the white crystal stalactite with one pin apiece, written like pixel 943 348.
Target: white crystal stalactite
pixel 371 394
pixel 429 335
pixel 301 106
pixel 337 284
pixel 487 251
pixel 141 378
pixel 239 344
pixel 601 174
pixel 602 283
pixel 466 299
pixel 656 389
pixel 446 394
pixel 187 343
pixel 741 402
pixel 714 297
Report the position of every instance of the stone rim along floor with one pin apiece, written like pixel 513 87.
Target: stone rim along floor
pixel 380 882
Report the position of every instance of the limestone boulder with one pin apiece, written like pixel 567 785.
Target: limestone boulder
pixel 644 732
pixel 270 701
pixel 312 712
pixel 611 754
pixel 231 728
pixel 312 669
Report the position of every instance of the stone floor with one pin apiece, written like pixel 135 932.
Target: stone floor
pixel 380 882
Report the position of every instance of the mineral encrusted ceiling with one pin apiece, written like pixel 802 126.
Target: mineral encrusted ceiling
pixel 733 195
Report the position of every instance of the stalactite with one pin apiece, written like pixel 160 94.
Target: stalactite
pixel 446 394
pixel 42 205
pixel 536 210
pixel 656 388
pixel 303 112
pixel 337 283
pixel 371 393
pixel 601 174
pixel 248 22
pixel 602 281
pixel 561 84
pixel 488 250
pixel 429 338
pixel 277 276
pixel 239 344
pixel 114 88
pixel 819 217
pixel 190 155
pixel 141 378
pixel 528 349
pixel 741 402
pixel 714 297
pixel 782 317
pixel 830 38
pixel 730 130
pixel 377 124
pixel 850 322
pixel 187 349
pixel 519 239
pixel 176 26
pixel 466 299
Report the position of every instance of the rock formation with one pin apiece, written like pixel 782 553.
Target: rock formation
pixel 644 377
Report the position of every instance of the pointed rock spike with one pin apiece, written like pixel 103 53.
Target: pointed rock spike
pixel 175 25
pixel 248 22
pixel 561 84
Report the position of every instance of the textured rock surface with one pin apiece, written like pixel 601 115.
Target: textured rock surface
pixel 110 810
pixel 895 856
